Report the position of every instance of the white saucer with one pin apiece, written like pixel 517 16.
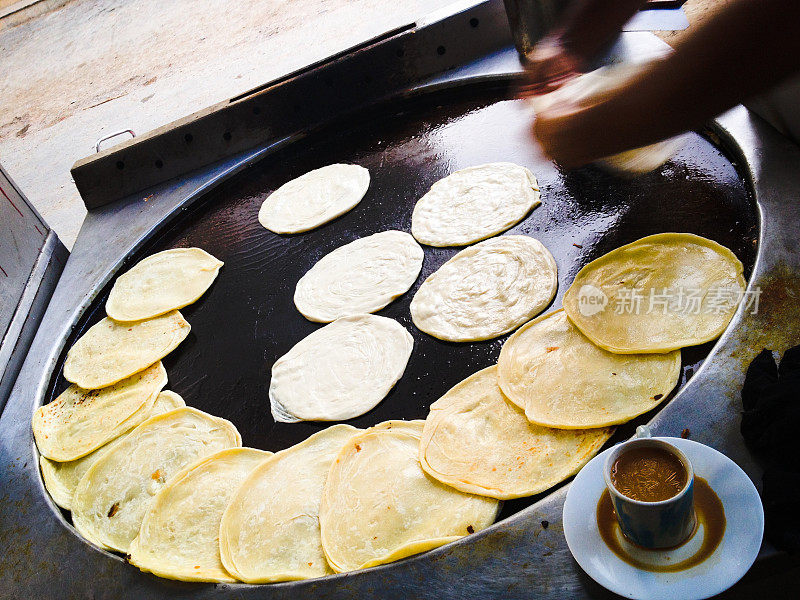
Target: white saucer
pixel 731 560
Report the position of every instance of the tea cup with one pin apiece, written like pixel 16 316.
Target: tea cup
pixel 653 525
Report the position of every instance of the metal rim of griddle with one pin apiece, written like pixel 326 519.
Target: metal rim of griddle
pixel 478 564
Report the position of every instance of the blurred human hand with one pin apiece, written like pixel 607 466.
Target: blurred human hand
pixel 589 117
pixel 549 66
pixel 564 125
pixel 675 93
pixel 563 133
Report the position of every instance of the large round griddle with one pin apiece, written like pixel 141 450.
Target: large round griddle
pixel 247 319
pixel 154 192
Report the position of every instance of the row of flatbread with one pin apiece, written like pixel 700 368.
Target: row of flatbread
pixel 465 207
pixel 564 379
pixel 184 500
pixel 613 352
pixel 181 497
pixel 117 385
pixel 143 323
pixel 344 369
pixel 115 367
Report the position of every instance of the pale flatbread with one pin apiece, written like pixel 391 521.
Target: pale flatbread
pixel 270 530
pixel 657 294
pixel 113 495
pixel 162 282
pixel 179 536
pixel 360 277
pixel 474 204
pixel 109 351
pixel 79 421
pixel 314 198
pixel 476 441
pixel 561 379
pixel 379 506
pixel 486 290
pixel 340 371
pixel 61 478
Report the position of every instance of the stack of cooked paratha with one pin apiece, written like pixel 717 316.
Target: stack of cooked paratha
pixel 111 440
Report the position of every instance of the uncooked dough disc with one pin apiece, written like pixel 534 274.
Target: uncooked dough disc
pixel 340 371
pixel 113 495
pixel 270 530
pixel 61 478
pixel 561 379
pixel 473 204
pixel 79 421
pixel 378 505
pixel 486 290
pixel 476 441
pixel 162 282
pixel 360 277
pixel 110 351
pixel 657 294
pixel 179 536
pixel 314 198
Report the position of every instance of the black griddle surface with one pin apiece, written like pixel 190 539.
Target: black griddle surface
pixel 247 319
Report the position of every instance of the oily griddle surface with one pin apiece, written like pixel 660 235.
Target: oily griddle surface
pixel 247 319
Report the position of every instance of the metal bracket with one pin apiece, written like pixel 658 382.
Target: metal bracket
pixel 113 135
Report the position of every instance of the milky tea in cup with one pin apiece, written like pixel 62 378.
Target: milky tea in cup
pixel 651 484
pixel 648 473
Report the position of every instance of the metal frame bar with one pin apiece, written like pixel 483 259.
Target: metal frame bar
pixel 519 557
pixel 31 259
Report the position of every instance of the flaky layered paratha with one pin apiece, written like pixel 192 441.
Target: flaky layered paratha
pixel 79 421
pixel 476 441
pixel 360 277
pixel 162 282
pixel 657 294
pixel 114 494
pixel 61 478
pixel 486 290
pixel 179 535
pixel 339 371
pixel 314 198
pixel 378 505
pixel 111 351
pixel 474 203
pixel 270 530
pixel 561 379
